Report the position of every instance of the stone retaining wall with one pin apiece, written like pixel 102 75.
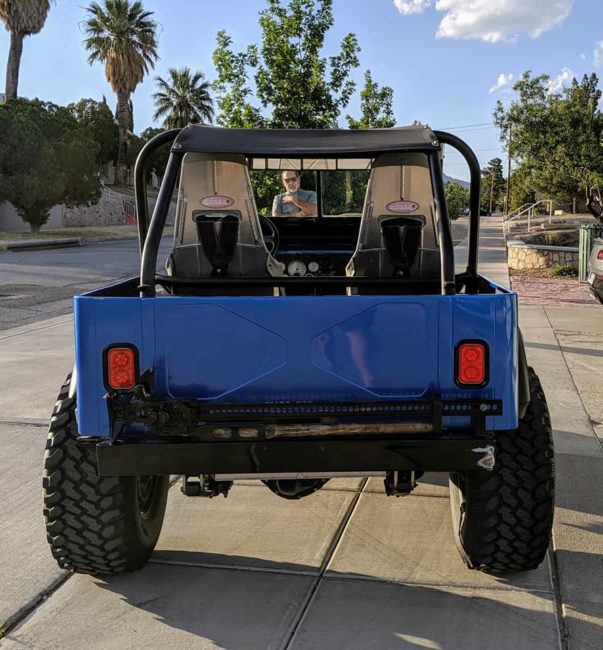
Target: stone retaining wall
pixel 109 211
pixel 525 256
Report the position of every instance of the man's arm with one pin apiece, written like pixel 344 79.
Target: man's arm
pixel 307 207
pixel 276 206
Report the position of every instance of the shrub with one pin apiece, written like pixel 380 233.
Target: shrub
pixel 565 270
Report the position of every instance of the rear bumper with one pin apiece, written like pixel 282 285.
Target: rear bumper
pixel 277 456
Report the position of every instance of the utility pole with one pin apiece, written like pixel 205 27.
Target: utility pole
pixel 508 191
pixel 491 188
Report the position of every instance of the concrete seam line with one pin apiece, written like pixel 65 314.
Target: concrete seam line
pixel 590 423
pixel 554 569
pixel 66 318
pixel 30 608
pixel 339 533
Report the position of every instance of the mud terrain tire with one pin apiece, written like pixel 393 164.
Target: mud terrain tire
pixel 502 519
pixel 96 524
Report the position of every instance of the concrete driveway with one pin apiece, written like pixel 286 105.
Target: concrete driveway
pixel 346 567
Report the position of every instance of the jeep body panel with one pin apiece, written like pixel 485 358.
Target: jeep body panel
pixel 297 349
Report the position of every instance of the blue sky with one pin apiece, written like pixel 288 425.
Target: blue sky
pixel 443 58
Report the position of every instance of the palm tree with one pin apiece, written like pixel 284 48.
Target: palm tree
pixel 122 35
pixel 22 18
pixel 183 99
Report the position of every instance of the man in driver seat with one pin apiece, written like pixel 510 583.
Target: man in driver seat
pixel 295 202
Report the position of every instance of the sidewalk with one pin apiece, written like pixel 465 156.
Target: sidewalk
pixel 565 346
pixel 63 238
pixel 347 567
pixel 84 236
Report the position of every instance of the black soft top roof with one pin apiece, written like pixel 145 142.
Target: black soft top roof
pixel 304 143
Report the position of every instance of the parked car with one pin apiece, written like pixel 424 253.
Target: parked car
pixel 595 270
pixel 482 212
pixel 298 348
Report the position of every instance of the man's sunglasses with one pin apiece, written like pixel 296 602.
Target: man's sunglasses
pixel 291 178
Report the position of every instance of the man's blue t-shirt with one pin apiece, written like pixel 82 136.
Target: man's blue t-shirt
pixel 279 207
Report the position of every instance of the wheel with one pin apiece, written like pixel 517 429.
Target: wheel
pixel 270 235
pixel 96 524
pixel 502 519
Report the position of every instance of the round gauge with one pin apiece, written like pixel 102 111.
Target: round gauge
pixel 296 268
pixel 313 267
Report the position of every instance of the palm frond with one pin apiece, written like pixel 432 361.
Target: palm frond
pixel 123 36
pixel 183 98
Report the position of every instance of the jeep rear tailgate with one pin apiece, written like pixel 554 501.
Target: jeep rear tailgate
pixel 295 349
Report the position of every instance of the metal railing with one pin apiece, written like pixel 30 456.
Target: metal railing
pixel 527 212
pixel 513 213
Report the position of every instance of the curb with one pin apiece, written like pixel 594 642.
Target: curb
pixel 43 244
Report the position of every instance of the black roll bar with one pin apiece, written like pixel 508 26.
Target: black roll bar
pixel 150 232
pixel 287 281
pixel 474 196
pixel 446 243
pixel 140 184
pixel 150 249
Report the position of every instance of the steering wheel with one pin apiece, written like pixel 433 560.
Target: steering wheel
pixel 270 235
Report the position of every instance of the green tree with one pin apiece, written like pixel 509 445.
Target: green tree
pixel 46 159
pixel 457 198
pixel 376 106
pixel 492 186
pixel 294 84
pixel 581 136
pixel 158 161
pixel 232 86
pixel 284 81
pixel 98 118
pixel 555 138
pixel 122 36
pixel 376 112
pixel 522 191
pixel 183 99
pixel 21 18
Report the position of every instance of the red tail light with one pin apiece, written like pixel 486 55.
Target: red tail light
pixel 121 368
pixel 472 364
pixel 600 255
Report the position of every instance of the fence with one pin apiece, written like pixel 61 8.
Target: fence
pixel 129 212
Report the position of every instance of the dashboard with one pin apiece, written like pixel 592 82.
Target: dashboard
pixel 316 246
pixel 301 264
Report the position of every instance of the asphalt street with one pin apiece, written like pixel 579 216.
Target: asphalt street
pixel 39 284
pixel 346 567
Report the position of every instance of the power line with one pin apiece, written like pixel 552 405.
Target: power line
pixel 455 152
pixel 465 126
pixel 477 128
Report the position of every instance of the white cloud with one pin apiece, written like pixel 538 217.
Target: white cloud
pixel 583 56
pixel 406 7
pixel 502 81
pixel 598 54
pixel 492 20
pixel 557 84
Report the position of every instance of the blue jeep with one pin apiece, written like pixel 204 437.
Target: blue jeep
pixel 294 349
